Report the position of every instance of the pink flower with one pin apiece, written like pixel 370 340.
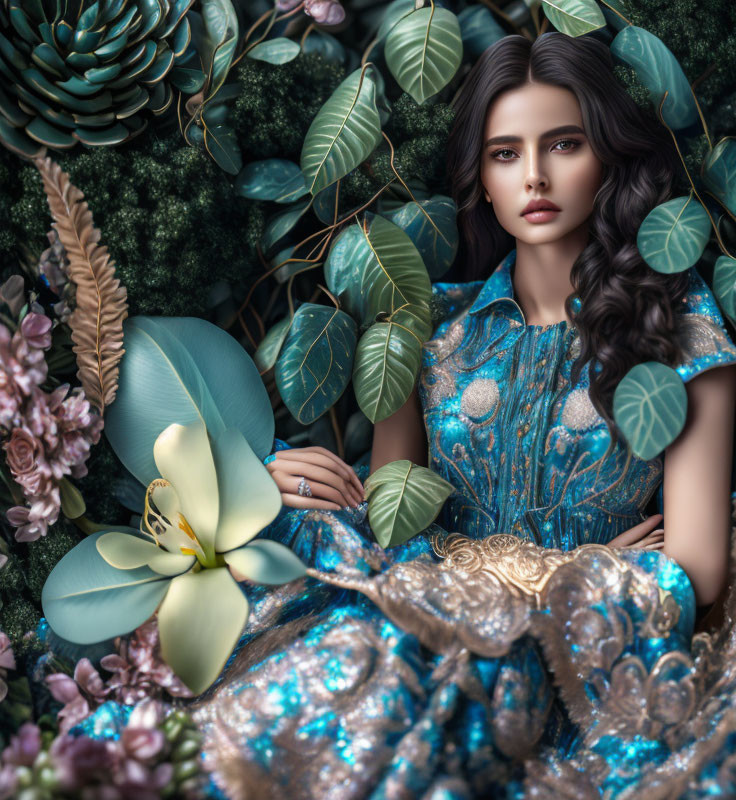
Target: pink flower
pixel 326 12
pixel 36 331
pixel 7 661
pixel 24 747
pixel 24 454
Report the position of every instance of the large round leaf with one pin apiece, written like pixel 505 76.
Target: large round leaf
pixel 424 50
pixel 387 363
pixel 272 179
pixel 200 622
pixel 436 238
pixel 344 133
pixel 181 370
pixel 660 72
pixel 403 499
pixel 650 406
pixel 316 360
pixel 478 30
pixel 394 12
pixel 724 285
pixel 375 268
pixel 719 172
pixel 673 235
pixel 275 51
pixel 574 17
pixel 85 600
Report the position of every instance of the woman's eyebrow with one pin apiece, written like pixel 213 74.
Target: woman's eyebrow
pixel 564 129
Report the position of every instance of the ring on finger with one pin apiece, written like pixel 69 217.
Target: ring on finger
pixel 304 490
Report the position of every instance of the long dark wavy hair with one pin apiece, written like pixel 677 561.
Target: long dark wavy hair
pixel 629 311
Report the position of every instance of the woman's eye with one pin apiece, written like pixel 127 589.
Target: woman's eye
pixel 571 142
pixel 500 152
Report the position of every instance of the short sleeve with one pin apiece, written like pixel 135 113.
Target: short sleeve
pixel 703 337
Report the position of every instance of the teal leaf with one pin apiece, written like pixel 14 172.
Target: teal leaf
pixel 424 50
pixel 403 499
pixel 85 600
pixel 182 370
pixel 719 173
pixel 478 30
pixel 275 51
pixel 659 71
pixel 265 561
pixel 436 238
pixel 316 360
pixel 394 12
pixel 386 367
pixel 280 224
pixel 673 235
pixel 220 39
pixel 650 406
pixel 724 285
pixel 326 45
pixel 272 179
pixel 574 17
pixel 222 144
pixel 270 346
pixel 344 133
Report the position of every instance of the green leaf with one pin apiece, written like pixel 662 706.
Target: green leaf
pixel 316 361
pixel 403 499
pixel 182 370
pixel 650 406
pixel 279 225
pixel 249 496
pixel 275 51
pixel 574 17
pixel 85 600
pixel 673 235
pixel 436 240
pixel 293 266
pixel 270 346
pixel 376 272
pixel 387 363
pixel 424 50
pixel 72 502
pixel 659 71
pixel 222 144
pixel 719 173
pixel 200 622
pixel 344 133
pixel 478 30
pixel 265 561
pixel 395 11
pixel 326 45
pixel 272 179
pixel 724 285
pixel 220 40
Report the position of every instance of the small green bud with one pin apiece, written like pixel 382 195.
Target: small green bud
pixel 186 769
pixel 185 749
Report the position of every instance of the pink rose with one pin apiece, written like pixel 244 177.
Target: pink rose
pixel 22 451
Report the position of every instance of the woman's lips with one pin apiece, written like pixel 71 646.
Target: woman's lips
pixel 543 215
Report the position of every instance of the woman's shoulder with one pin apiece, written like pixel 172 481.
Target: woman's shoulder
pixel 704 340
pixel 450 305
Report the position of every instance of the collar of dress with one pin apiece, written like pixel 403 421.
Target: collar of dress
pixel 499 289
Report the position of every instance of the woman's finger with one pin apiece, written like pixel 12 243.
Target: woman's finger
pixel 315 474
pixel 320 454
pixel 319 490
pixel 654 546
pixel 628 537
pixel 296 501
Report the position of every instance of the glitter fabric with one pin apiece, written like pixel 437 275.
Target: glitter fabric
pixel 505 652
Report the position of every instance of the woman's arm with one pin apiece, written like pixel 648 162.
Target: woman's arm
pixel 401 435
pixel 697 478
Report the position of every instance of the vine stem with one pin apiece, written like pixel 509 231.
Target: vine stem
pixel 692 184
pixel 338 433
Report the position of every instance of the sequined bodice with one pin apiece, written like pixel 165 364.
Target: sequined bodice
pixel 524 446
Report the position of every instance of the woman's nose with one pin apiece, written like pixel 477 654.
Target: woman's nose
pixel 535 176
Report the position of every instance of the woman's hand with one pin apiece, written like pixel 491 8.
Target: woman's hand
pixel 334 483
pixel 645 535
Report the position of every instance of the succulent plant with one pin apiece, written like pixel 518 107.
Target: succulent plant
pixel 83 71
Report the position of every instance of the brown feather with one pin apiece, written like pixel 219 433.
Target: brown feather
pixel 97 322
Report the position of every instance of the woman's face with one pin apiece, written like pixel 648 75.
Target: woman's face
pixel 535 148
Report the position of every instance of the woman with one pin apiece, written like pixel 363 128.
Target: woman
pixel 439 677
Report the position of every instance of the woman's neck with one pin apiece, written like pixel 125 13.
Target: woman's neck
pixel 541 277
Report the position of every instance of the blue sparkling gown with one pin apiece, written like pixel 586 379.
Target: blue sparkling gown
pixel 504 652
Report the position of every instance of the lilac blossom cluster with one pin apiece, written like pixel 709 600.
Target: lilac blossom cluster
pixel 47 436
pixel 137 766
pixel 325 12
pixel 138 672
